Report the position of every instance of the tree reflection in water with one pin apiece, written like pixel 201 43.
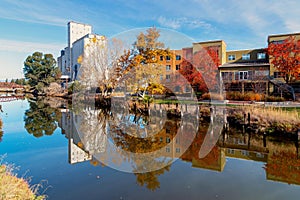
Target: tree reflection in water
pixel 41 119
pixel 150 179
pixel 104 138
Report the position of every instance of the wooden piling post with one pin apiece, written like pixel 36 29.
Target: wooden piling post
pixel 265 140
pixel 248 119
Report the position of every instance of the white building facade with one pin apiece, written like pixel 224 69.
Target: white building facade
pixel 78 38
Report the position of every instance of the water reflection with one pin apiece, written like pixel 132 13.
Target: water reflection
pixel 40 119
pixel 95 136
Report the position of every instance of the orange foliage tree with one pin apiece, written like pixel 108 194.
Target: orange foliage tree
pixel 285 57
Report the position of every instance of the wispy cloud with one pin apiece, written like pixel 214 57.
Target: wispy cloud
pixel 183 22
pixel 42 12
pixel 29 47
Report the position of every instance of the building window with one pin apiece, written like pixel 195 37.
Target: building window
pixel 278 42
pixel 278 74
pixel 246 56
pixel 161 77
pixel 226 76
pixel 178 57
pixel 168 67
pixel 261 56
pixel 243 75
pixel 177 150
pixel 168 140
pixel 261 73
pixel 168 77
pixel 260 155
pixel 230 151
pixel 168 150
pixel 161 58
pixel 231 57
pixel 168 58
pixel 187 89
pixel 245 153
pixel 236 76
pixel 177 67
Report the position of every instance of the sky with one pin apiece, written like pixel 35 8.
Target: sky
pixel 34 25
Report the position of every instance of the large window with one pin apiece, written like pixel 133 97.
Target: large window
pixel 161 58
pixel 231 57
pixel 168 67
pixel 168 58
pixel 261 56
pixel 243 75
pixel 177 67
pixel 246 56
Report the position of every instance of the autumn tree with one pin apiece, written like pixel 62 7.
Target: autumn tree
pixel 285 57
pixel 201 71
pixel 142 64
pixel 40 70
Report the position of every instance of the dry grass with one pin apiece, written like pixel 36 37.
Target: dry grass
pixel 14 188
pixel 273 115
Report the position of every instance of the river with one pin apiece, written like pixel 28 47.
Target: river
pixel 93 154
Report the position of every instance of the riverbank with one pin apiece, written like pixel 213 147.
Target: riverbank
pixel 14 188
pixel 283 119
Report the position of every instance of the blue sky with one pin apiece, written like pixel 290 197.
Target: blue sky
pixel 34 25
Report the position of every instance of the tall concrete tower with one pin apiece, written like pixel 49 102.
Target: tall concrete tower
pixel 75 31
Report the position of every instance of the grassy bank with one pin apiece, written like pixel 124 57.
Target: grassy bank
pixel 14 188
pixel 269 119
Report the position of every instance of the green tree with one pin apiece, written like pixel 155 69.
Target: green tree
pixel 40 70
pixel 17 81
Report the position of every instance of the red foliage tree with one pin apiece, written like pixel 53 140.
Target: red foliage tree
pixel 285 57
pixel 202 71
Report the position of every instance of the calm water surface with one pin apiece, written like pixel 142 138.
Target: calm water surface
pixel 38 140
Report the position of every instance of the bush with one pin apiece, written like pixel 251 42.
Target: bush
pixel 247 96
pixel 274 99
pixel 212 96
pixel 251 96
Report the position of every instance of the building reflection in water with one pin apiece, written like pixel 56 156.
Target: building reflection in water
pixel 281 157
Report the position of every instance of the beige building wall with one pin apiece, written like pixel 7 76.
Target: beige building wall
pixel 220 44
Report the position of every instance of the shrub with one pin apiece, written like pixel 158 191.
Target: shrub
pixel 274 99
pixel 212 96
